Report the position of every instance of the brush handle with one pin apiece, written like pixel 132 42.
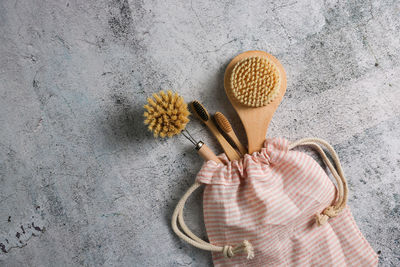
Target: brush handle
pixel 206 153
pixel 239 145
pixel 230 152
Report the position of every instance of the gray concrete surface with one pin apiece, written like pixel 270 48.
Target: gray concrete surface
pixel 81 180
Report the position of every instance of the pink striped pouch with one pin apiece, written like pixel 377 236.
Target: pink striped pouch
pixel 277 207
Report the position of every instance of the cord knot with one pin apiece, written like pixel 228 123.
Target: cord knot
pixel 329 212
pixel 229 251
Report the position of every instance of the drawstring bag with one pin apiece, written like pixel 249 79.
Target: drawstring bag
pixel 277 207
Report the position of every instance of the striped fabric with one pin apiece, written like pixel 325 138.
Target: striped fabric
pixel 270 198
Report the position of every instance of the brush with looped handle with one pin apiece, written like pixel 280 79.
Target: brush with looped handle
pixel 167 115
pixel 255 83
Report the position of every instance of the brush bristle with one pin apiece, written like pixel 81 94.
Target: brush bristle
pixel 255 81
pixel 166 114
pixel 223 122
pixel 200 111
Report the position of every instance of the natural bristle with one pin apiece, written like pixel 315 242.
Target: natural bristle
pixel 255 81
pixel 166 114
pixel 223 122
pixel 199 110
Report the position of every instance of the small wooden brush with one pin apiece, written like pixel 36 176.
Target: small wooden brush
pixel 225 126
pixel 202 114
pixel 167 115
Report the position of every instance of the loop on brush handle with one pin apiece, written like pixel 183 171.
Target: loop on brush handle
pixel 187 235
pixel 340 203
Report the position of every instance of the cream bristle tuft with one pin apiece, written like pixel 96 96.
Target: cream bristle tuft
pixel 166 114
pixel 255 81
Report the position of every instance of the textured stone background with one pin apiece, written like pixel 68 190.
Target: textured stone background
pixel 81 180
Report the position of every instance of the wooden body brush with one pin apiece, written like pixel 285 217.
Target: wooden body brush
pixel 225 126
pixel 255 83
pixel 167 115
pixel 203 115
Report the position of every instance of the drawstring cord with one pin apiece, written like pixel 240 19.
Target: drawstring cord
pixel 227 250
pixel 340 203
pixel 321 218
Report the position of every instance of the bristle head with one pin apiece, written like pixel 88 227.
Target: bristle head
pixel 223 122
pixel 200 111
pixel 255 81
pixel 166 114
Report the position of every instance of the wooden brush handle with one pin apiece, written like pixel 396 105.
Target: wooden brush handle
pixel 239 145
pixel 207 154
pixel 229 150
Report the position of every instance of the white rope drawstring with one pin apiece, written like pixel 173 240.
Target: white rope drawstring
pixel 340 203
pixel 227 250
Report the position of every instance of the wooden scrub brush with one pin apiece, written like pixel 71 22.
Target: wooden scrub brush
pixel 167 115
pixel 255 83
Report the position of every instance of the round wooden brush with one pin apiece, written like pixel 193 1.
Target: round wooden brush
pixel 255 83
pixel 167 115
pixel 225 126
